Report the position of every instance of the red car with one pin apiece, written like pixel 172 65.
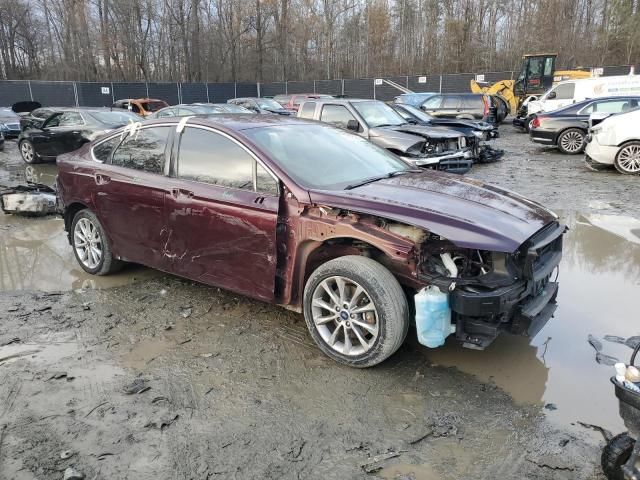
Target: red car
pixel 315 219
pixel 293 101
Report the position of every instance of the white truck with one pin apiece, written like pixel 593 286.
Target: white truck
pixel 572 91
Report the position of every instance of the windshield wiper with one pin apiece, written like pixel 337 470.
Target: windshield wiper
pixel 380 177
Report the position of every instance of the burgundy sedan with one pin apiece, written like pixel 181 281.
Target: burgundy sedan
pixel 315 219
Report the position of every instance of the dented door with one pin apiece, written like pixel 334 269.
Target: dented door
pixel 221 228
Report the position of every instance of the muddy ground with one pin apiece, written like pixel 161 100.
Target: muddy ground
pixel 148 376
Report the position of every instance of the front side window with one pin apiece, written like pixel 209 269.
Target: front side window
pixel 212 158
pixel 308 109
pixel 565 91
pixel 337 115
pixel 103 151
pixel 378 114
pixel 169 112
pixel 143 150
pixel 616 106
pixel 69 119
pixel 433 102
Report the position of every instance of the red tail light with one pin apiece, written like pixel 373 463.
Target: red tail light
pixel 536 122
pixel 486 107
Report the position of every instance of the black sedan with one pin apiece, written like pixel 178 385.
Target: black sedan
pixel 475 131
pixel 566 128
pixel 67 129
pixel 9 123
pixel 199 108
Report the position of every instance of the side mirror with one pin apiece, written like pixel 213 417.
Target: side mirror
pixel 412 121
pixel 353 125
pixel 551 95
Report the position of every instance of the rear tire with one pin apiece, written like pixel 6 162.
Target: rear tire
pixel 28 153
pixel 571 141
pixel 627 159
pixel 615 454
pixel 91 246
pixel 356 311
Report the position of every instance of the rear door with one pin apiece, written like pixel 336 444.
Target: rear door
pixel 130 189
pixel 223 212
pixel 68 134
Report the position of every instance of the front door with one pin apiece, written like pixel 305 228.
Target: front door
pixel 223 212
pixel 129 194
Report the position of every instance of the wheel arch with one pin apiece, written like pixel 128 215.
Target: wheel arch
pixel 627 142
pixel 69 213
pixel 570 127
pixel 312 253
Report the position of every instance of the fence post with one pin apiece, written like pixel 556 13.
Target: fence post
pixel 342 87
pixel 179 92
pixel 286 87
pixel 30 91
pixel 258 89
pixel 374 88
pixel 75 93
pixel 235 89
pixel 147 87
pixel 113 95
pixel 314 86
pixel 406 81
pixel 207 85
pixel 440 91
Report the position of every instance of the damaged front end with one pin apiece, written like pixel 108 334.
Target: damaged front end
pixel 494 292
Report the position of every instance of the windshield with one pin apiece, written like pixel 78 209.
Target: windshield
pixel 231 108
pixel 153 106
pixel 268 104
pixel 378 114
pixel 117 117
pixel 323 157
pixel 419 114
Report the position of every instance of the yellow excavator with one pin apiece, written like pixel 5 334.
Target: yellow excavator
pixel 537 75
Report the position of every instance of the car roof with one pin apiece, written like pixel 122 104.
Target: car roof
pixel 234 121
pixel 342 101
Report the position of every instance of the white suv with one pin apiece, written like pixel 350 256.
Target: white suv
pixel 615 141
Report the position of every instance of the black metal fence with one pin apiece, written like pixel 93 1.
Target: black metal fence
pixel 98 94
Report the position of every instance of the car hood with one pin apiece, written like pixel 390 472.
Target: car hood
pixel 453 123
pixel 403 137
pixel 465 211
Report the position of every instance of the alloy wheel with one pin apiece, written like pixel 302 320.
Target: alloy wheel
pixel 572 141
pixel 629 159
pixel 345 316
pixel 26 149
pixel 87 243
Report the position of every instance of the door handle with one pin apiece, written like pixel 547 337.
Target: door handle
pixel 177 192
pixel 101 179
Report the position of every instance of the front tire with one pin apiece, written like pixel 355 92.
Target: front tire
pixel 627 159
pixel 356 311
pixel 615 454
pixel 28 153
pixel 91 246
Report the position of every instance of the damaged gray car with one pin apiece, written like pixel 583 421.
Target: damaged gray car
pixel 438 148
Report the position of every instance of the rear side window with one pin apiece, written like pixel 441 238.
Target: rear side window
pixel 103 151
pixel 144 150
pixel 475 102
pixel 308 109
pixel 209 157
pixel 565 91
pixel 451 102
pixel 337 115
pixel 41 113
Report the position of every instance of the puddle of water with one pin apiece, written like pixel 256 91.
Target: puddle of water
pixel 406 471
pixel 145 351
pixel 599 291
pixel 35 255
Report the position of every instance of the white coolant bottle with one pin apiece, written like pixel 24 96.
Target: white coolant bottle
pixel 433 317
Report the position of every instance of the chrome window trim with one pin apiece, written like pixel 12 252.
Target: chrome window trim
pixel 120 133
pixel 254 168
